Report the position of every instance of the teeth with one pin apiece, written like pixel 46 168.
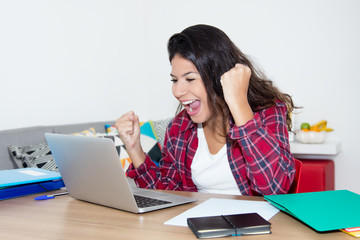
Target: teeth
pixel 188 102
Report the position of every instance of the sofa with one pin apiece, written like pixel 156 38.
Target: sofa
pixel 21 138
pixel 316 175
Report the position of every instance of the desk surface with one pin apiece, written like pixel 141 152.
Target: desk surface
pixel 67 218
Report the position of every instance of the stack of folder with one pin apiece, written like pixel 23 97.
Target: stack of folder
pixel 26 181
pixel 323 211
pixel 352 231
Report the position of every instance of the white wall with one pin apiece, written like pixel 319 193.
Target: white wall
pixel 75 61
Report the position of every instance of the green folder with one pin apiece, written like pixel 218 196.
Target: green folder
pixel 323 211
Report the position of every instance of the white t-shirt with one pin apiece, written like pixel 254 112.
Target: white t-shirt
pixel 212 173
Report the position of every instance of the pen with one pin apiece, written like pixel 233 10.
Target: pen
pixel 44 197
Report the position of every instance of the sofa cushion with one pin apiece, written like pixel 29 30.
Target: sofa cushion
pixel 19 137
pixel 148 141
pixel 120 148
pixel 34 135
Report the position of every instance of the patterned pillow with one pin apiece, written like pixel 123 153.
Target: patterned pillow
pixel 148 141
pixel 120 148
pixel 39 155
pixel 91 132
pixel 160 129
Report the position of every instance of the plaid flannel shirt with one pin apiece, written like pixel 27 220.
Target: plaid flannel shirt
pixel 259 155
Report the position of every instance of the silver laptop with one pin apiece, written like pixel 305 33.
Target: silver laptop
pixel 92 171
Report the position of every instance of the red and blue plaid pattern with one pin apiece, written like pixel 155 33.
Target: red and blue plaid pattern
pixel 259 155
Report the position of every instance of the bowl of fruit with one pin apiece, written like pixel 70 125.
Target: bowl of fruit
pixel 315 133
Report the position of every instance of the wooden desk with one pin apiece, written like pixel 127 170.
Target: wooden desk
pixel 67 218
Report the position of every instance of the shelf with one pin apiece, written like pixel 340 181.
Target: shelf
pixel 326 149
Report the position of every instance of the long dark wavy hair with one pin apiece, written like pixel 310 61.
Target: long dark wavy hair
pixel 213 53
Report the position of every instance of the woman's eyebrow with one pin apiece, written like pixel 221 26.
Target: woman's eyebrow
pixel 185 74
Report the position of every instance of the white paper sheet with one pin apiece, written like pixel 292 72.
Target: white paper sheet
pixel 219 206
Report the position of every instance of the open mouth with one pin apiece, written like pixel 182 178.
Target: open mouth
pixel 192 106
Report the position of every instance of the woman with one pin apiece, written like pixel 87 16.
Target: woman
pixel 232 136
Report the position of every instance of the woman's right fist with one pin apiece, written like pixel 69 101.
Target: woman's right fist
pixel 128 126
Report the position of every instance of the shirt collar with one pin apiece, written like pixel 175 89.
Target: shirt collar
pixel 187 123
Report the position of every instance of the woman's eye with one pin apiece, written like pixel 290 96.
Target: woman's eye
pixel 190 79
pixel 173 80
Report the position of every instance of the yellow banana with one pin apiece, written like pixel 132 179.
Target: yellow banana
pixel 327 129
pixel 321 124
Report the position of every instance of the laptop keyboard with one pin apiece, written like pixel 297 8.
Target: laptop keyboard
pixel 143 202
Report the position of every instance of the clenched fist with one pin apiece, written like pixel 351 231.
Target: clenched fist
pixel 235 85
pixel 128 126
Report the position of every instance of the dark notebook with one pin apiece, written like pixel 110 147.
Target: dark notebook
pixel 229 225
